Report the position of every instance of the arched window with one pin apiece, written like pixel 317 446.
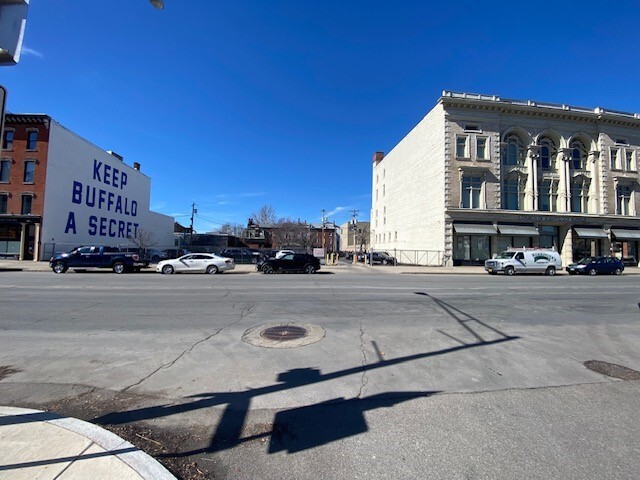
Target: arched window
pixel 578 155
pixel 513 151
pixel 548 151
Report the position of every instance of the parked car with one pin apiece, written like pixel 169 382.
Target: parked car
pixel 525 260
pixel 381 258
pixel 97 256
pixel 196 263
pixel 239 255
pixel 175 252
pixel 596 265
pixel 291 262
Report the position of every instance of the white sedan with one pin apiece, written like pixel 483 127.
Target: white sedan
pixel 196 262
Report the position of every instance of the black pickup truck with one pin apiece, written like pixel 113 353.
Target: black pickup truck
pixel 97 256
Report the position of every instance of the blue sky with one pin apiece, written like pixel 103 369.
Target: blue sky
pixel 238 104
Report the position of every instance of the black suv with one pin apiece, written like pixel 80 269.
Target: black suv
pixel 380 257
pixel 292 262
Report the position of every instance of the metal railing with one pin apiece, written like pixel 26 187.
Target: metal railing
pixel 431 258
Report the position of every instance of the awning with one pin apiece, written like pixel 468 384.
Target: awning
pixel 474 229
pixel 626 234
pixel 518 230
pixel 590 232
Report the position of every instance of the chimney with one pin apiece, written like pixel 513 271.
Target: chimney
pixel 377 157
pixel 136 166
pixel 119 157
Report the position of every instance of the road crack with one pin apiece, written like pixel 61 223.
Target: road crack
pixel 364 379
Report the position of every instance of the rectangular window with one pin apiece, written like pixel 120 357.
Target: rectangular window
pixel 4 199
pixel 629 166
pixel 512 195
pixel 471 188
pixel 27 201
pixel 576 197
pixel 7 140
pixel 615 165
pixel 384 190
pixel 461 146
pixel 384 215
pixel 544 200
pixel 481 148
pixel 32 140
pixel 5 170
pixel 624 200
pixel 29 171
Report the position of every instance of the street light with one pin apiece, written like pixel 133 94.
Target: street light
pixel 159 4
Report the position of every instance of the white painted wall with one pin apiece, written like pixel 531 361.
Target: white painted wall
pixel 91 197
pixel 410 184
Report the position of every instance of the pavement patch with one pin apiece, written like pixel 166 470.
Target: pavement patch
pixel 612 370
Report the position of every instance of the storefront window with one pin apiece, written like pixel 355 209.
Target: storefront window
pixel 472 249
pixel 549 237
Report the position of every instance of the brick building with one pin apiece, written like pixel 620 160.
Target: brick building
pixel 58 191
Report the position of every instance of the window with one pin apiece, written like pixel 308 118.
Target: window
pixel 579 196
pixel 4 198
pixel 615 165
pixel 512 194
pixel 548 152
pixel 5 170
pixel 623 195
pixel 32 140
pixel 578 155
pixel 513 151
pixel 628 163
pixel 461 146
pixel 384 190
pixel 29 171
pixel 548 196
pixel 396 236
pixel 7 142
pixel 481 148
pixel 27 201
pixel 384 215
pixel 471 188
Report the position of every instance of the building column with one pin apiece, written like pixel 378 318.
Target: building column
pixel 36 244
pixel 594 187
pixel 23 240
pixel 531 187
pixel 564 189
pixel 566 253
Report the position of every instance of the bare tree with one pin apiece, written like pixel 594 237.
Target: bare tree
pixel 234 229
pixel 291 234
pixel 266 215
pixel 143 239
pixel 362 237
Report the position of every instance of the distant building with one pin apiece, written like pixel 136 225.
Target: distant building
pixel 59 191
pixel 354 237
pixel 480 174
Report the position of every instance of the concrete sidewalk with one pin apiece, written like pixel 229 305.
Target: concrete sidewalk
pixel 42 445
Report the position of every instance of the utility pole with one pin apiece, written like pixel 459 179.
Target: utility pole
pixel 193 212
pixel 323 231
pixel 354 214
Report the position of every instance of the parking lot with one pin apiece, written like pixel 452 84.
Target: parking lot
pixel 407 375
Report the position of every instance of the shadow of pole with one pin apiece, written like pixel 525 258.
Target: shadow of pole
pixel 286 433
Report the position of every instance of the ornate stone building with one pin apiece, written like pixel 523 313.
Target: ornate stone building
pixel 480 174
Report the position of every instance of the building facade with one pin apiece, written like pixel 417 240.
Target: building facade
pixel 59 191
pixel 354 237
pixel 480 174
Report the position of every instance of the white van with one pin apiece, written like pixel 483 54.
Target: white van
pixel 525 260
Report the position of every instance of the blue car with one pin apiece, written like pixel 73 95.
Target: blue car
pixel 596 266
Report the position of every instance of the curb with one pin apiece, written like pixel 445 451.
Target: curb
pixel 143 464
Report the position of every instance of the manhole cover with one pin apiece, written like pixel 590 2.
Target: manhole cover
pixel 612 370
pixel 284 335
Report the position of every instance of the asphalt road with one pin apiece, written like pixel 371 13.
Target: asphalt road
pixel 416 376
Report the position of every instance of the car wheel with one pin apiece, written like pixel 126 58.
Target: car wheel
pixel 310 269
pixel 59 267
pixel 617 271
pixel 212 269
pixel 509 271
pixel 551 271
pixel 267 269
pixel 119 267
pixel 385 262
pixel 167 269
pixel 593 272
